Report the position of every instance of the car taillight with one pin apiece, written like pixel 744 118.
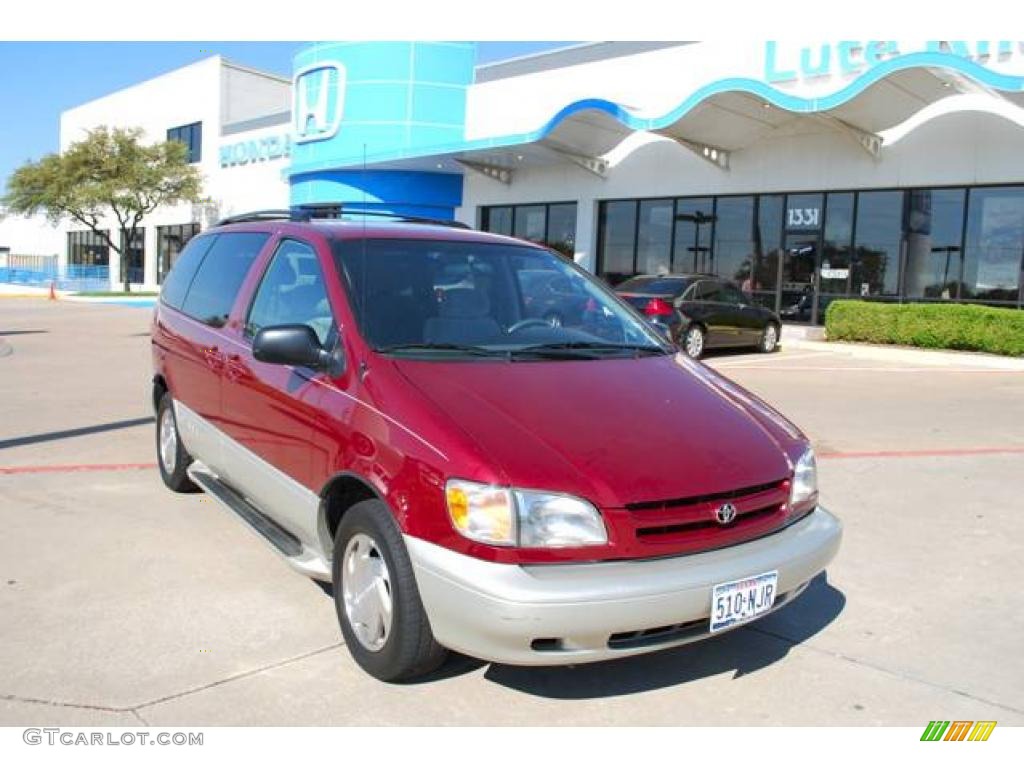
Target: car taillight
pixel 658 308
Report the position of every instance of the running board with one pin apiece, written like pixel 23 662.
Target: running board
pixel 302 559
pixel 282 540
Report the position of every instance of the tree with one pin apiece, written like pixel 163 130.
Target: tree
pixel 108 172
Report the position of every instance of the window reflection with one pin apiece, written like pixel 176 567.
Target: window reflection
pixel 654 238
pixel 562 228
pixel 733 252
pixel 935 220
pixel 550 224
pixel 767 249
pixel 995 244
pixel 530 222
pixel 876 261
pixel 871 243
pixel 836 247
pixel 692 248
pixel 618 233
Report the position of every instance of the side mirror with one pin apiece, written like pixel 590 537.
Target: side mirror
pixel 292 345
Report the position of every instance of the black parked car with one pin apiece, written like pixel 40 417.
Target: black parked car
pixel 702 312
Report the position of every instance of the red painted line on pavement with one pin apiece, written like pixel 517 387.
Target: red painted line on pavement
pixel 919 454
pixel 44 468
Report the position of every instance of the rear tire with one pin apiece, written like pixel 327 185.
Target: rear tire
pixel 693 341
pixel 379 608
pixel 171 456
pixel 769 339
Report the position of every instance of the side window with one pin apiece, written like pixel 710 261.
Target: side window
pixel 709 290
pixel 176 284
pixel 219 277
pixel 292 292
pixel 732 294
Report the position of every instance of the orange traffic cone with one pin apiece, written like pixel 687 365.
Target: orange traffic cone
pixel 53 293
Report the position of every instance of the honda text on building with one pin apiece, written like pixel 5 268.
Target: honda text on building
pixel 376 397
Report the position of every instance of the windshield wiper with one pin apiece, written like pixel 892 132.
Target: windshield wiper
pixel 467 349
pixel 588 349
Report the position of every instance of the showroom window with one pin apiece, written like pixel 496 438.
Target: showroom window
pixel 87 249
pixel 169 243
pixel 550 224
pixel 732 255
pixel 837 244
pixel 695 219
pixel 942 244
pixel 191 136
pixel 877 240
pixel 994 253
pixel 136 254
pixel 934 233
pixel 617 231
pixel 654 237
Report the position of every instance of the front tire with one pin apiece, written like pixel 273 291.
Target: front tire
pixel 693 341
pixel 379 608
pixel 171 456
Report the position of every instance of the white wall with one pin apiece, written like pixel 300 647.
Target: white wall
pixel 247 94
pixel 30 236
pixel 958 148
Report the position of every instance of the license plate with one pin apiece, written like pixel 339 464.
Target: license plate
pixel 737 602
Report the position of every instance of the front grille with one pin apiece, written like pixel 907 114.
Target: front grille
pixel 689 524
pixel 639 506
pixel 749 518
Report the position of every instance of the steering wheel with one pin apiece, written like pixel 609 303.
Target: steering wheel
pixel 527 323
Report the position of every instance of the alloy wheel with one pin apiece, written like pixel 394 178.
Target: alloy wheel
pixel 168 441
pixel 694 342
pixel 366 587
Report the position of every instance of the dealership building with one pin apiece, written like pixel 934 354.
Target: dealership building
pixel 889 170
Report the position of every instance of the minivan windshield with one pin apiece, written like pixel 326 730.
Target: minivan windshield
pixel 444 299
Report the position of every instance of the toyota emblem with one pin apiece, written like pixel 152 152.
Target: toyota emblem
pixel 725 514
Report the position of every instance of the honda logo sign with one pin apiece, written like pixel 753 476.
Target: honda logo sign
pixel 317 101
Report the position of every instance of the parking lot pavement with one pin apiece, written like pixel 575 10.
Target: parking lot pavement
pixel 121 603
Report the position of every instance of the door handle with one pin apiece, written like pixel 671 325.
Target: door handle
pixel 235 368
pixel 214 359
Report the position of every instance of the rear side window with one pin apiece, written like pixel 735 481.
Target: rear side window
pixel 180 277
pixel 219 277
pixel 659 285
pixel 709 291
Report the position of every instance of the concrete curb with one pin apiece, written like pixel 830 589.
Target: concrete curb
pixel 909 355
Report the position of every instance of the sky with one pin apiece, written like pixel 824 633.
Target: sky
pixel 40 80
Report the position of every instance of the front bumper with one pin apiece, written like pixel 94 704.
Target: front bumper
pixel 575 613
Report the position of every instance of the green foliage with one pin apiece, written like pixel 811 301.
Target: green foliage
pixel 934 326
pixel 108 173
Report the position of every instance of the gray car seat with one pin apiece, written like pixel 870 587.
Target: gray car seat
pixel 464 317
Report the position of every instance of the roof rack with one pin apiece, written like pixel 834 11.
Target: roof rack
pixel 332 211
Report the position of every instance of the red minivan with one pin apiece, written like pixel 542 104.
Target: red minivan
pixel 381 400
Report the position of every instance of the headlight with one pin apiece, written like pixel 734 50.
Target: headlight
pixel 554 520
pixel 805 481
pixel 511 517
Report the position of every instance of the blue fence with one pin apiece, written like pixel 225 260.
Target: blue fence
pixel 70 278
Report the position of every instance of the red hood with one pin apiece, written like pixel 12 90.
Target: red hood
pixel 612 431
